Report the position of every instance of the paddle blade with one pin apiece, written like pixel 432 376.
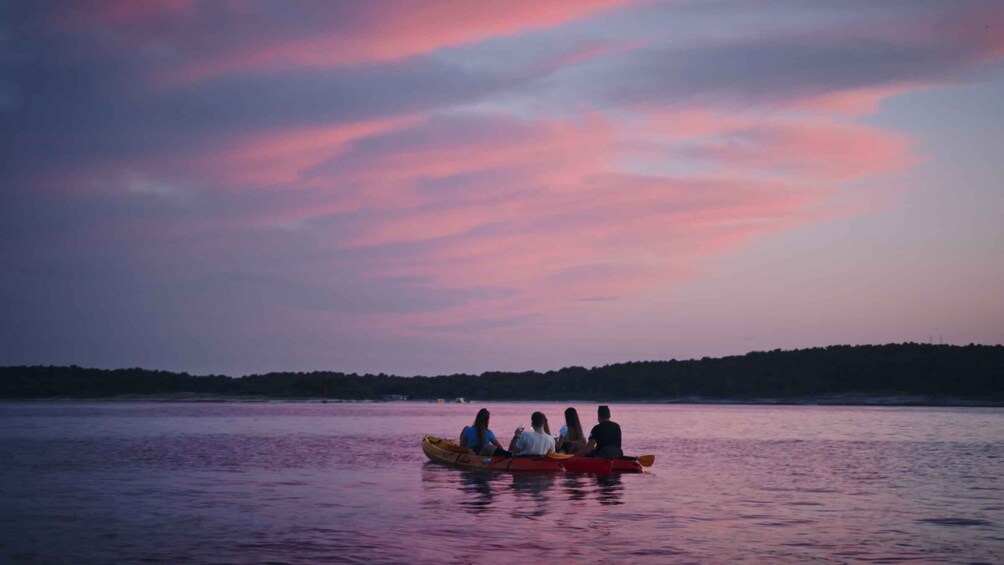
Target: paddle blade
pixel 559 456
pixel 646 460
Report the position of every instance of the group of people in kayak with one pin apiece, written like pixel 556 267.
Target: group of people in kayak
pixel 604 439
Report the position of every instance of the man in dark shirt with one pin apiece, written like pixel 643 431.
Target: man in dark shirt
pixel 605 438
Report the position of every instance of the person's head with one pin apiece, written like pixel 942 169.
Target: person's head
pixel 603 413
pixel 537 420
pixel 572 422
pixel 481 424
pixel 482 418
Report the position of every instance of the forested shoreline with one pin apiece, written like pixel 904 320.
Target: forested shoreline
pixel 972 372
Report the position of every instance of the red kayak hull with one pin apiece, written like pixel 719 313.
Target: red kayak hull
pixel 600 465
pixel 596 465
pixel 626 466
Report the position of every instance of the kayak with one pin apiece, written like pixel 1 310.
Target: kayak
pixel 600 465
pixel 445 451
pixel 626 465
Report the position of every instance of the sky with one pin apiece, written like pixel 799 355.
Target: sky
pixel 435 187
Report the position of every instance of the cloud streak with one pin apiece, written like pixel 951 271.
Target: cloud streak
pixel 358 173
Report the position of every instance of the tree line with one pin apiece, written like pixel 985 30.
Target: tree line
pixel 966 372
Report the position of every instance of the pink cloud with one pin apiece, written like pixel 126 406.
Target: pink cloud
pixel 978 30
pixel 281 157
pixel 437 193
pixel 568 226
pixel 214 38
pixel 591 51
pixel 541 206
pixel 675 124
pixel 820 148
pixel 858 101
pixel 391 31
pixel 552 153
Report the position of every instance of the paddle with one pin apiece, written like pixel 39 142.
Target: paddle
pixel 646 460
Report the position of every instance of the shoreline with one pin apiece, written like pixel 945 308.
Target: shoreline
pixel 825 401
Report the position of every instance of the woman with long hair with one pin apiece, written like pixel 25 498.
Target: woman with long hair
pixel 478 438
pixel 570 437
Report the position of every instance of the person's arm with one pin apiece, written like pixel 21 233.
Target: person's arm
pixel 515 436
pixel 494 441
pixel 463 437
pixel 550 447
pixel 591 446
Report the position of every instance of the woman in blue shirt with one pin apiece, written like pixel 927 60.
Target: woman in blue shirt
pixel 479 439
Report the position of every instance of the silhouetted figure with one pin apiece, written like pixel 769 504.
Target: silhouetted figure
pixel 605 438
pixel 571 438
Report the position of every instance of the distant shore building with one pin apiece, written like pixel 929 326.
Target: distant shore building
pixel 460 400
pixel 395 397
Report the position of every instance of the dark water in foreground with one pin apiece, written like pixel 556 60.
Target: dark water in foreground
pixel 305 483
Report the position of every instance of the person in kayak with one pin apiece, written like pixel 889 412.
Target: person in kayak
pixel 479 439
pixel 605 437
pixel 535 442
pixel 570 436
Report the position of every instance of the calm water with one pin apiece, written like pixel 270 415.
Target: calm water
pixel 304 483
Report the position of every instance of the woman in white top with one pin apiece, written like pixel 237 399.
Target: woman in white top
pixel 570 437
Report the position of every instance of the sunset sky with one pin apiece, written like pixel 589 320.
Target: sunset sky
pixel 434 187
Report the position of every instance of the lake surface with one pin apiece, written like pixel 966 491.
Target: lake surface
pixel 100 482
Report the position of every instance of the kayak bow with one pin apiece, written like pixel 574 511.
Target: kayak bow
pixel 445 451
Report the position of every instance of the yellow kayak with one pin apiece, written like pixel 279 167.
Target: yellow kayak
pixel 445 451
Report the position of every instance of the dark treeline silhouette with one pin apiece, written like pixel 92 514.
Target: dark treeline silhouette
pixel 966 372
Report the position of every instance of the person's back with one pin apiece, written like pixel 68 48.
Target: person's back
pixel 472 441
pixel 605 437
pixel 606 434
pixel 534 442
pixel 571 438
pixel 479 439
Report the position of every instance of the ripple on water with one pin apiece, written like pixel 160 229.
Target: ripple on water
pixel 951 521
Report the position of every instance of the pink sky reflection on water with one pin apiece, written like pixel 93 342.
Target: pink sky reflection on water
pixel 306 481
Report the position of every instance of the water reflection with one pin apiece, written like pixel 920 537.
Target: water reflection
pixel 610 490
pixel 605 489
pixel 532 488
pixel 575 486
pixel 478 488
pixel 523 495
